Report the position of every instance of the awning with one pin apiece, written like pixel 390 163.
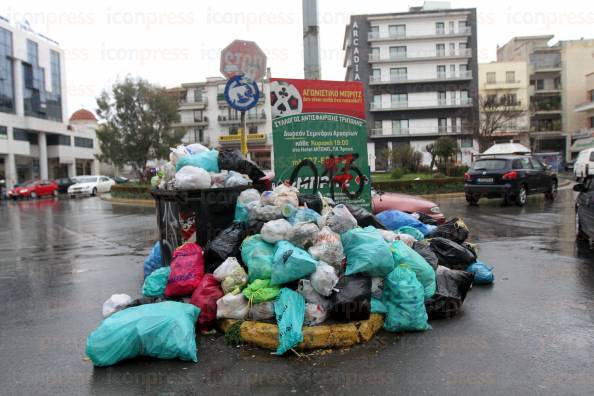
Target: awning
pixel 582 144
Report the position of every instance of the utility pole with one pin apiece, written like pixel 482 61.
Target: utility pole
pixel 311 41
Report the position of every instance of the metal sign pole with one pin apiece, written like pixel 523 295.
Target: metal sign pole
pixel 243 136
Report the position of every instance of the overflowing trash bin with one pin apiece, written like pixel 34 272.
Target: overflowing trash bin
pixel 231 252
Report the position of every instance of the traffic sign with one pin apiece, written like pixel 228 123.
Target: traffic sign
pixel 243 57
pixel 241 93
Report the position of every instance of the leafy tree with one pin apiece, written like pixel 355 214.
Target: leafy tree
pixel 445 149
pixel 136 124
pixel 430 148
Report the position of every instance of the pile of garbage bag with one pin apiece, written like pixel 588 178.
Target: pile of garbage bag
pixel 196 167
pixel 285 262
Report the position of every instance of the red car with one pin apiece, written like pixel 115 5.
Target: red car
pixel 34 189
pixel 405 203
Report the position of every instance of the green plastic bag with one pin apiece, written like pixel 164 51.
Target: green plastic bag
pixel 413 260
pixel 404 300
pixel 257 254
pixel 207 160
pixel 260 291
pixel 162 330
pixel 154 284
pixel 377 306
pixel 289 308
pixel 367 252
pixel 413 232
pixel 290 263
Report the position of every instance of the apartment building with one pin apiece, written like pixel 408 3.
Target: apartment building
pixel 557 84
pixel 584 137
pixel 505 87
pixel 420 72
pixel 35 138
pixel 210 121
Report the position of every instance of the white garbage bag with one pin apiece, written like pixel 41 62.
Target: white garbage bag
pixel 191 177
pixel 236 179
pixel 389 236
pixel 268 198
pixel 315 314
pixel 234 282
pixel 262 311
pixel 377 287
pixel 195 148
pixel 286 194
pixel 310 295
pixel 324 279
pixel 114 303
pixel 408 239
pixel 275 230
pixel 249 195
pixel 303 235
pixel 177 153
pixel 339 219
pixel 232 306
pixel 328 248
pixel 226 268
pixel 217 180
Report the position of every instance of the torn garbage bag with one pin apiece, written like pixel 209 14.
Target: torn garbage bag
pixel 257 255
pixel 289 308
pixel 367 252
pixel 154 260
pixel 483 275
pixel 328 248
pixel 403 298
pixel 352 299
pixel 187 269
pixel 403 255
pixel 163 330
pixel 205 297
pixel 451 255
pixel 154 285
pixel 290 263
pixel 452 286
pixel 315 314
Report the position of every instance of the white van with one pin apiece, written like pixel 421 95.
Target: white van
pixel 584 164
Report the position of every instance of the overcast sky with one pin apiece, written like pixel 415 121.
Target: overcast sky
pixel 175 41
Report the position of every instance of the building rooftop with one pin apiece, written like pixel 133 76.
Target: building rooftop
pixel 83 115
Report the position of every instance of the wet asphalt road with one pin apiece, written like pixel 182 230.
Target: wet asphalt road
pixel 530 333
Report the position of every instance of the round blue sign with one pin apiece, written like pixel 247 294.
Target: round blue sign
pixel 241 93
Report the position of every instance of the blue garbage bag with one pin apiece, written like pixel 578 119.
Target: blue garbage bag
pixel 164 330
pixel 483 274
pixel 290 263
pixel 154 284
pixel 257 255
pixel 154 260
pixel 377 306
pixel 394 219
pixel 207 160
pixel 367 252
pixel 289 308
pixel 413 260
pixel 404 300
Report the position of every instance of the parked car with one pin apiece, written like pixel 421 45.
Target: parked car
pixel 121 179
pixel 511 177
pixel 381 201
pixel 584 209
pixel 63 184
pixel 90 185
pixel 34 189
pixel 584 164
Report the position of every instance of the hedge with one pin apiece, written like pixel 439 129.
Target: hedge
pixel 428 186
pixel 131 191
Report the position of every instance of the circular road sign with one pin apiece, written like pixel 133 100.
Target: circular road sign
pixel 241 93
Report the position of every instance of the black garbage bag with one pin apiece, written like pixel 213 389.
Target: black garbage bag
pixel 228 242
pixel 450 254
pixel 423 248
pixel 426 219
pixel 472 248
pixel 312 201
pixel 454 230
pixel 231 159
pixel 452 286
pixel 352 301
pixel 364 217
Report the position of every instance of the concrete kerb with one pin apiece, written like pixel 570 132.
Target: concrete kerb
pixel 339 335
pixel 126 201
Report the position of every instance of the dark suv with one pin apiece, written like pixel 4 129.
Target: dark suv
pixel 511 177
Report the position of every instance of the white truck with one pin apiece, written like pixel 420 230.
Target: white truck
pixel 584 164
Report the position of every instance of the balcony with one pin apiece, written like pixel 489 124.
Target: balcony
pixel 198 122
pixel 419 131
pixel 462 53
pixel 376 36
pixel 505 84
pixel 249 118
pixel 422 105
pixel 201 103
pixel 586 106
pixel 406 79
pixel 553 90
pixel 547 127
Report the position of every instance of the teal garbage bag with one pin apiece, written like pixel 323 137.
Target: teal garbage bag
pixel 304 215
pixel 154 284
pixel 413 260
pixel 154 260
pixel 289 308
pixel 241 213
pixel 207 160
pixel 413 232
pixel 163 330
pixel 404 300
pixel 290 263
pixel 367 252
pixel 257 255
pixel 483 274
pixel 377 306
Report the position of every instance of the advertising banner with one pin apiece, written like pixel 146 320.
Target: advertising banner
pixel 320 138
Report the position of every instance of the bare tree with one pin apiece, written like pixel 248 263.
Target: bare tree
pixel 495 114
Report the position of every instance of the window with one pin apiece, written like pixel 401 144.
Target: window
pixel 397 30
pixel 377 127
pixel 441 71
pixel 509 99
pixel 399 100
pixel 491 100
pixel 442 125
pixel 491 77
pixel 591 119
pixel 464 72
pixel 462 27
pixel 452 47
pixel 198 116
pixel 376 74
pixel 3 132
pixel 536 164
pixel 375 53
pixel 83 142
pixel 510 76
pixel 400 127
pixel 440 49
pixel 377 102
pixel 489 164
pixel 397 52
pixel 466 142
pixel 439 28
pixel 197 95
pixel 21 135
pixel 6 72
pixel 32 52
pixel 398 73
pixel 451 25
pixel 463 49
pixel 233 130
pixel 374 31
pixel 591 95
pixel 441 98
pixel 253 129
pixel 540 84
pixel 58 140
pixel 525 163
pixel 452 70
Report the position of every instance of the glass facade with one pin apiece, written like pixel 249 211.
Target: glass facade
pixel 83 142
pixel 6 72
pixel 37 101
